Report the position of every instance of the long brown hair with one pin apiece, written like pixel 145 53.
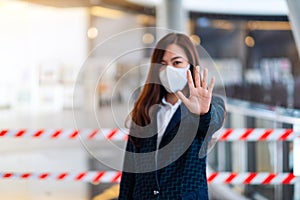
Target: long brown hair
pixel 153 91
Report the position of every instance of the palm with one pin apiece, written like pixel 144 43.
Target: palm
pixel 200 96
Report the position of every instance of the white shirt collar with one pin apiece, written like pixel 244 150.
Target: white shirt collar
pixel 165 103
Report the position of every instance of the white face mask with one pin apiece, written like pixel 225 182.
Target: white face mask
pixel 173 79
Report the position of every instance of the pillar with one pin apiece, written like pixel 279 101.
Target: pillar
pixel 172 16
pixel 294 17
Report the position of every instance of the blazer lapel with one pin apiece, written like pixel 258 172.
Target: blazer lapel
pixel 180 114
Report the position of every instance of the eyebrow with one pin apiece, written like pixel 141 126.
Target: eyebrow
pixel 174 58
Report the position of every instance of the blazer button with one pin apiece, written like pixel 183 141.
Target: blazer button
pixel 155 192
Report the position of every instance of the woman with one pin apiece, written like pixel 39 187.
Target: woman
pixel 172 121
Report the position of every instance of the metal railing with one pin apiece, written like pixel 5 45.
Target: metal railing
pixel 257 156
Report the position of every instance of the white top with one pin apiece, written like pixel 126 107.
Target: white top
pixel 164 116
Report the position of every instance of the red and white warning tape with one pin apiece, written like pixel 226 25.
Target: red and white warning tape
pixel 90 176
pixel 252 178
pixel 90 134
pixel 257 134
pixel 239 134
pixel 113 176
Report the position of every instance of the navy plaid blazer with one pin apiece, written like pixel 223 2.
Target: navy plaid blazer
pixel 178 169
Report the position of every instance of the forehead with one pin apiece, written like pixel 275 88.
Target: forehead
pixel 174 50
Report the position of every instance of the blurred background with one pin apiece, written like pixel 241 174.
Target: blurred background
pixel 79 64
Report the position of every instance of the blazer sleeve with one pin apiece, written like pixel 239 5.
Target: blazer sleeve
pixel 211 122
pixel 217 115
pixel 128 179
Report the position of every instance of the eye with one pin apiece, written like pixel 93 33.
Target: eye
pixel 162 63
pixel 176 63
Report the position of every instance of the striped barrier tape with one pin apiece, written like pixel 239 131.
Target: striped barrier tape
pixel 114 176
pixel 90 134
pixel 89 176
pixel 257 134
pixel 253 178
pixel 240 134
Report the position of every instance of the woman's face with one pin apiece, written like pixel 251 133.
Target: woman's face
pixel 174 56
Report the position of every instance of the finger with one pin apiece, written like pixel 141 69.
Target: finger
pixel 204 79
pixel 182 97
pixel 190 79
pixel 197 76
pixel 211 85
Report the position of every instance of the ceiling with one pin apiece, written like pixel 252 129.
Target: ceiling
pixel 61 3
pixel 256 7
pixel 87 3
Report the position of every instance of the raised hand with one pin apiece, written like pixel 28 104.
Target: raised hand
pixel 200 95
